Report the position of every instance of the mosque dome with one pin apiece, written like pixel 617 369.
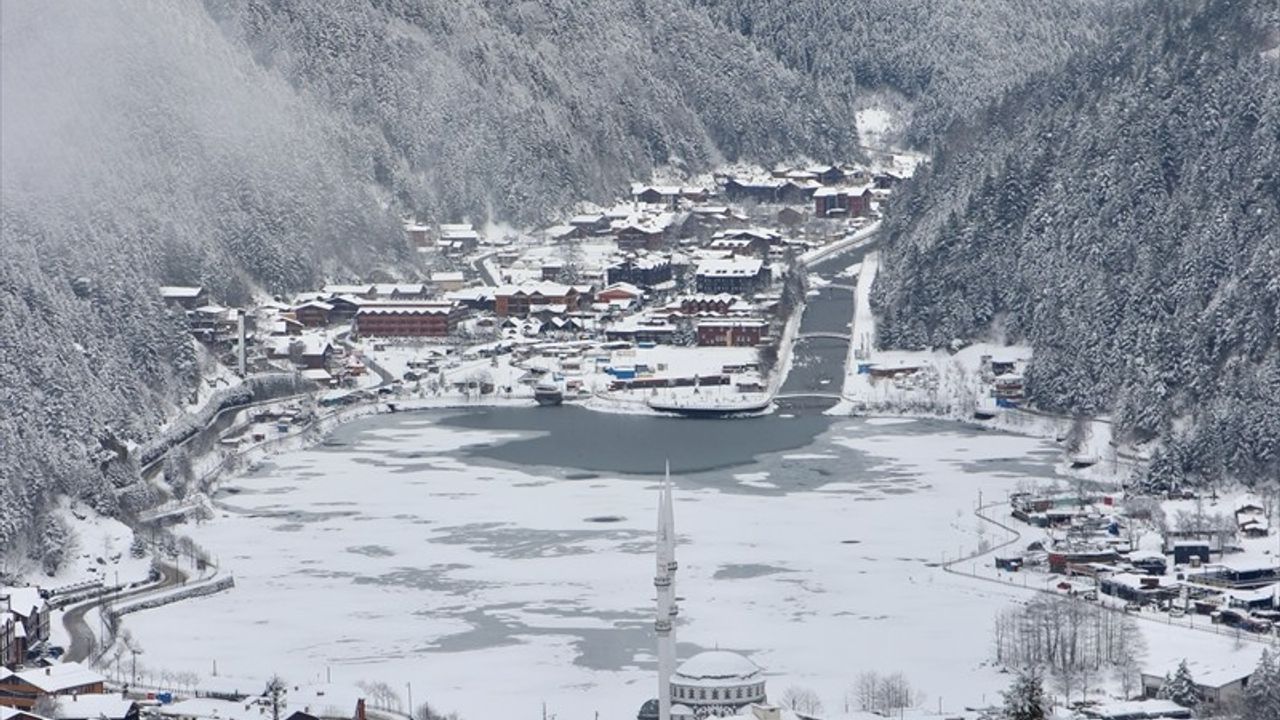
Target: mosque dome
pixel 718 665
pixel 717 679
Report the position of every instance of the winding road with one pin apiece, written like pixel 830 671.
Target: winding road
pixel 82 637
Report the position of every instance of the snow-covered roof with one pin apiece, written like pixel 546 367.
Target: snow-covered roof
pixel 772 712
pixel 424 308
pixel 93 707
pixel 213 709
pixel 442 276
pixel 1140 708
pixel 458 232
pixel 707 297
pixel 178 292
pixel 22 599
pixel 317 374
pixel 625 287
pixel 338 289
pixel 641 323
pixel 11 712
pixel 474 294
pixel 731 243
pixel 315 304
pixel 325 699
pixel 1212 671
pixel 647 262
pixel 758 233
pixel 399 288
pixel 732 322
pixel 1261 594
pixel 313 344
pixel 731 267
pixel 57 678
pixel 546 289
pixel 716 665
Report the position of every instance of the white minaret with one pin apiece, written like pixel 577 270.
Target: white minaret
pixel 663 581
pixel 672 565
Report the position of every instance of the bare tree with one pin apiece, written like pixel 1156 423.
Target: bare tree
pixel 801 699
pixel 275 694
pixel 865 688
pixel 884 694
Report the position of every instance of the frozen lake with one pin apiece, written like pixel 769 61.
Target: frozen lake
pixel 497 559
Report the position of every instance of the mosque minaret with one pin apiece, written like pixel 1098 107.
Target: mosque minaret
pixel 710 684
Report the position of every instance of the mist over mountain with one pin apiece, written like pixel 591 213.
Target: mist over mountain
pixel 946 59
pixel 1121 216
pixel 255 145
pixel 252 146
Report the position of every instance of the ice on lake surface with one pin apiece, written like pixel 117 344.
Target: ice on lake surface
pixel 465 552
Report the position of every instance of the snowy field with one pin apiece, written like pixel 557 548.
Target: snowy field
pixel 392 555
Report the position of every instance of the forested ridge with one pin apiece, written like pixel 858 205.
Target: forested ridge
pixel 250 145
pixel 949 59
pixel 262 146
pixel 1121 216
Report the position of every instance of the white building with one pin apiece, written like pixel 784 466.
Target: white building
pixel 716 683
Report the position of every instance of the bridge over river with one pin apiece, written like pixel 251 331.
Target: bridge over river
pixel 822 344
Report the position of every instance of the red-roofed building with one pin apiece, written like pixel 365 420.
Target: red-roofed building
pixel 425 319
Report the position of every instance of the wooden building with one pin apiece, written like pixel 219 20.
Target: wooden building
pixel 519 300
pixel 24 622
pixel 738 276
pixel 448 281
pixel 314 313
pixel 23 688
pixel 635 236
pixel 184 296
pixel 735 332
pixel 624 292
pixel 422 319
pixel 842 202
pixel 642 272
pixel 718 304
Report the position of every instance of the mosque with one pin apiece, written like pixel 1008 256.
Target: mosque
pixel 715 683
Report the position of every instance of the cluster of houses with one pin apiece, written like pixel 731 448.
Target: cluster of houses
pixel 685 265
pixel 24 624
pixel 1221 574
pixel 833 190
pixel 34 685
pixel 30 673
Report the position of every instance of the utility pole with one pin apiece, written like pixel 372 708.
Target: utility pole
pixel 409 688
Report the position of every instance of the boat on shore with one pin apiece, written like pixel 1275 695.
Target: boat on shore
pixel 548 394
pixel 712 405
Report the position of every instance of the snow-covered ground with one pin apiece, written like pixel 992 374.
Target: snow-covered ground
pixel 494 589
pixel 875 125
pixel 97 552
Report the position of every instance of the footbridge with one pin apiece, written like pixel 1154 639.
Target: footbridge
pixel 802 397
pixel 826 335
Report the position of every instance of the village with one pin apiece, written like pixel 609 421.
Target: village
pixel 684 298
pixel 669 294
pixel 1178 561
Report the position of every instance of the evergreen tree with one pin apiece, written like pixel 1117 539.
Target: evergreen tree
pixel 138 548
pixel 1262 697
pixel 1024 700
pixel 1180 687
